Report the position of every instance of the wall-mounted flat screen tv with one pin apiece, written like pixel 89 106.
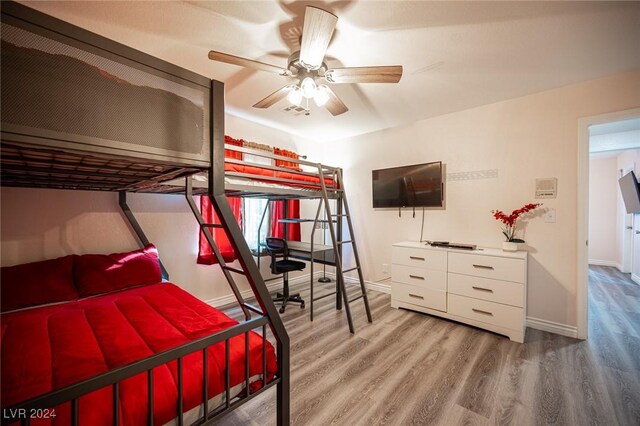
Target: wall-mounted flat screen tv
pixel 419 185
pixel 630 192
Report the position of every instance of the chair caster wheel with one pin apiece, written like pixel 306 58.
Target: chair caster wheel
pixel 302 306
pixel 282 310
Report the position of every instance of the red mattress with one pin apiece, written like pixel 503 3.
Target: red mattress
pixel 49 347
pixel 264 174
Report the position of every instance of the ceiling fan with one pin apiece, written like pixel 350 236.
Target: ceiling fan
pixel 308 67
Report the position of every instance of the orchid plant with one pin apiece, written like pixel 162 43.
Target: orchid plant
pixel 510 221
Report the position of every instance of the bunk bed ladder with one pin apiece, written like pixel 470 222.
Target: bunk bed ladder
pixel 206 231
pixel 342 210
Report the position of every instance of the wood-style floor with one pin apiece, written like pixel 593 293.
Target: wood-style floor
pixel 413 369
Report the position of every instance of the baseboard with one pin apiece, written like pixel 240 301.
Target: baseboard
pixel 613 263
pixel 552 327
pixel 381 287
pixel 274 285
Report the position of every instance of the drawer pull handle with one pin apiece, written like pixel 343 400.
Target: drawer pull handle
pixel 416 296
pixel 417 277
pixel 416 258
pixel 488 290
pixel 482 266
pixel 481 312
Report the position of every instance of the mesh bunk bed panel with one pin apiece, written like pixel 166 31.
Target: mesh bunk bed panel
pixel 48 168
pixel 60 95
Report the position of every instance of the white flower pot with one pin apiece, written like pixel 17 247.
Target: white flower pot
pixel 509 246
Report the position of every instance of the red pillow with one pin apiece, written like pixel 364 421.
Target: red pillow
pixel 37 283
pixel 103 273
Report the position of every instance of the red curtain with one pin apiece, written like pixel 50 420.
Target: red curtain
pixel 228 140
pixel 287 164
pixel 277 228
pixel 205 253
pixel 293 206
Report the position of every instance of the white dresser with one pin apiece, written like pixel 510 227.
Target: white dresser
pixel 486 288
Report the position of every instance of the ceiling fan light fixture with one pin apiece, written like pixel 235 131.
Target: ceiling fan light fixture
pixel 306 66
pixel 322 95
pixel 295 95
pixel 309 87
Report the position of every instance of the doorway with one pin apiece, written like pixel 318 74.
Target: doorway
pixel 610 227
pixel 613 139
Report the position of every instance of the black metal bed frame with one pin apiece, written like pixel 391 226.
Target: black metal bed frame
pixel 113 377
pixel 26 165
pixel 330 186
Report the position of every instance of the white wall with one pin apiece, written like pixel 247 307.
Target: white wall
pixel 39 224
pixel 524 138
pixel 603 211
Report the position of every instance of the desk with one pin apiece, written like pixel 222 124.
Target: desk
pixel 322 254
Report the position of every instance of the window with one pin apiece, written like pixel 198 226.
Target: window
pixel 252 213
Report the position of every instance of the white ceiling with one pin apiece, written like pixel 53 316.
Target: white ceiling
pixel 615 127
pixel 613 137
pixel 606 154
pixel 456 55
pixel 614 141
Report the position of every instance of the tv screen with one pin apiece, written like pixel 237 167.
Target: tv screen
pixel 630 192
pixel 419 185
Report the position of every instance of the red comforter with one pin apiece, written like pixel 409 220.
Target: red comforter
pixel 50 347
pixel 305 180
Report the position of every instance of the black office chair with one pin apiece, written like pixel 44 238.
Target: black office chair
pixel 277 248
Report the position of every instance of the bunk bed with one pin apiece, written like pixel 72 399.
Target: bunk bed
pixel 81 112
pixel 295 179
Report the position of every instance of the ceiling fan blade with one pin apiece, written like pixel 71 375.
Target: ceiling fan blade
pixel 384 74
pixel 276 96
pixel 248 63
pixel 334 104
pixel 316 34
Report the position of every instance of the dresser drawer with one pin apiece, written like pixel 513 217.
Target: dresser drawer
pixel 488 312
pixel 499 268
pixel 431 259
pixel 506 292
pixel 420 277
pixel 421 296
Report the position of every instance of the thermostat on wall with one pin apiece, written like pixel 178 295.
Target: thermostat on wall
pixel 546 187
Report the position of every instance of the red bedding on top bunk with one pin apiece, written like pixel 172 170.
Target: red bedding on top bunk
pixel 49 347
pixel 265 174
